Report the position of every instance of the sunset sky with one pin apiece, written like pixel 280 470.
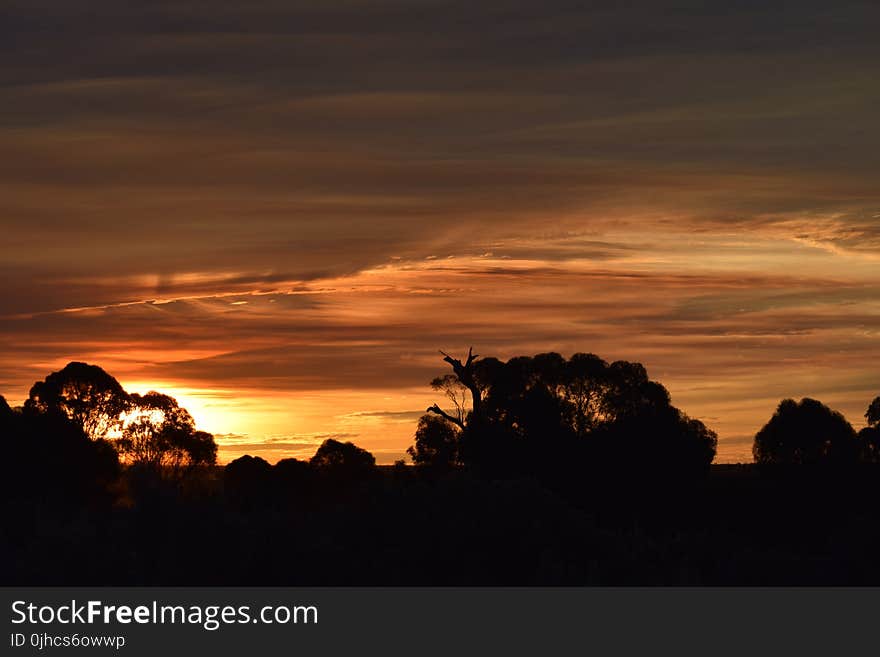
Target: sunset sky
pixel 278 211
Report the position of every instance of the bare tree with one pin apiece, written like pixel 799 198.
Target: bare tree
pixel 464 379
pixel 457 394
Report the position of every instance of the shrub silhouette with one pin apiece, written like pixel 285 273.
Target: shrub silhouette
pixel 291 468
pixel 805 433
pixel 436 443
pixel 344 461
pixel 293 478
pixel 248 480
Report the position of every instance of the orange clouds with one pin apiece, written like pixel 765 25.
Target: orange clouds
pixel 353 354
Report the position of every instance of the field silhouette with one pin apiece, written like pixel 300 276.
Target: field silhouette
pixel 538 470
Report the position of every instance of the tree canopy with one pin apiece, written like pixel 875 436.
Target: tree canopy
pixel 5 411
pixel 545 412
pixel 436 443
pixel 248 478
pixel 869 436
pixel 86 394
pixel 345 460
pixel 48 456
pixel 872 415
pixel 151 429
pixel 160 433
pixel 805 433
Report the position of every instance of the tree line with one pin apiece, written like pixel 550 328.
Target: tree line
pixel 145 430
pixel 534 470
pixel 539 412
pixel 544 416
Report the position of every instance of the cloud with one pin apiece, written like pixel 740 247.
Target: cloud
pixel 293 198
pixel 393 416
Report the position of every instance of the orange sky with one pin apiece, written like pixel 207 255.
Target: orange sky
pixel 279 213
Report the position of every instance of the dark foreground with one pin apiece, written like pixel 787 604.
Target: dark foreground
pixel 738 525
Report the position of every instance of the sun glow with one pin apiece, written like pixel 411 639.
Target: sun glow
pixel 212 410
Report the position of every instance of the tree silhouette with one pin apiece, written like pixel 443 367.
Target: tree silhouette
pixel 345 461
pixel 543 413
pixel 575 471
pixel 457 394
pixel 436 443
pixel 248 480
pixel 585 384
pixel 630 393
pixel 48 457
pixel 199 448
pixel 869 436
pixel 805 432
pixel 293 478
pixel 246 469
pixel 160 433
pixel 86 394
pixel 872 415
pixel 291 468
pixel 6 413
pixel 464 377
pixel 654 443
